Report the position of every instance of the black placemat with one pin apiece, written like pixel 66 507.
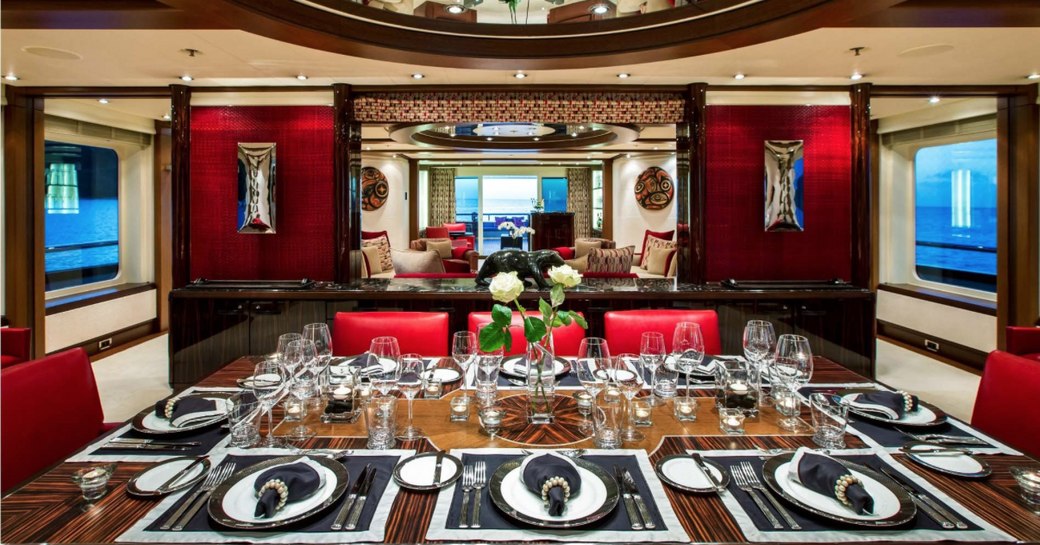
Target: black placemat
pixel 493 519
pixel 321 523
pixel 206 437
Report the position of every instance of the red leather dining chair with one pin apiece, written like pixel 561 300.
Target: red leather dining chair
pixel 1024 341
pixel 460 241
pixel 1006 405
pixel 423 333
pixel 437 232
pixel 14 345
pixel 566 339
pixel 49 408
pixel 623 328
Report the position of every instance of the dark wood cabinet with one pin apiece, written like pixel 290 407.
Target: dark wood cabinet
pixel 552 230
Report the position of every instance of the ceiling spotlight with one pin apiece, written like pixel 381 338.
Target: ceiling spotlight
pixel 489 139
pixel 933 100
pixel 103 100
pixel 368 148
pixel 455 9
pixel 186 77
pixel 623 75
pixel 574 134
pixel 739 75
pixel 536 139
pixel 394 156
pixel 166 116
pixel 418 76
pixel 628 156
pixel 856 76
pixel 1034 75
pixel 600 9
pixel 11 77
pixel 519 75
pixel 655 148
pixel 301 77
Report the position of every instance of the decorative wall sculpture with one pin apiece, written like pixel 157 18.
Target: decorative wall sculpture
pixel 374 189
pixel 783 181
pixel 256 184
pixel 654 189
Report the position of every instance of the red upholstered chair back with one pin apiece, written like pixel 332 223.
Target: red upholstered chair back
pixel 624 328
pixel 437 232
pixel 1006 406
pixel 423 333
pixel 49 408
pixel 455 227
pixel 1024 341
pixel 566 339
pixel 14 345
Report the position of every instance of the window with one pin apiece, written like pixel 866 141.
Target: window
pixel 597 203
pixel 956 214
pixel 554 194
pixel 81 221
pixel 467 201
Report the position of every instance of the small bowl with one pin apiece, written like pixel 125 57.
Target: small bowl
pixel 1029 483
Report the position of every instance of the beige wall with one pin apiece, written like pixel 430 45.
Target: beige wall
pixel 630 219
pixel 393 215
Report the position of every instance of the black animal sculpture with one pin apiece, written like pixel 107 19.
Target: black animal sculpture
pixel 526 264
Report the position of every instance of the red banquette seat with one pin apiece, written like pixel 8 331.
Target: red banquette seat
pixel 1006 405
pixel 624 328
pixel 565 338
pixel 14 345
pixel 1024 341
pixel 423 333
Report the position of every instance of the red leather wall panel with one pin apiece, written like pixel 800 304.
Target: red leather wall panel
pixel 737 245
pixel 302 247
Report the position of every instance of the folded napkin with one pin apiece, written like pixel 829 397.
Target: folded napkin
pixel 552 477
pixel 286 483
pixel 891 405
pixel 187 410
pixel 827 476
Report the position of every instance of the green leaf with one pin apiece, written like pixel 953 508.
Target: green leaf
pixel 534 329
pixel 493 337
pixel 556 295
pixel 581 320
pixel 545 308
pixel 564 316
pixel 501 315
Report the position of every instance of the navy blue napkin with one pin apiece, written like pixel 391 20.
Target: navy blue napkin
pixel 891 405
pixel 820 474
pixel 300 478
pixel 539 469
pixel 187 406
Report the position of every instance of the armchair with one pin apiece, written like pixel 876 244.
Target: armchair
pixel 469 241
pixel 463 260
pixel 1024 341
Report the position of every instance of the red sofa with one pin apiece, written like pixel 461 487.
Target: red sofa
pixel 566 339
pixel 15 343
pixel 1006 405
pixel 1024 341
pixel 49 409
pixel 423 333
pixel 623 329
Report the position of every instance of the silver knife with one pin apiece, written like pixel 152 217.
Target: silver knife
pixel 630 506
pixel 165 487
pixel 145 446
pixel 351 498
pixel 132 441
pixel 929 505
pixel 707 472
pixel 437 468
pixel 630 483
pixel 359 506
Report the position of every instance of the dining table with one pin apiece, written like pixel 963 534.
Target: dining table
pixel 51 509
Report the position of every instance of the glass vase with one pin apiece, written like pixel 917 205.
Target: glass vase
pixel 541 384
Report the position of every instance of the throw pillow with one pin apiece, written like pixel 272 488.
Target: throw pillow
pixel 660 260
pixel 440 245
pixel 611 261
pixel 373 259
pixel 582 246
pixel 383 243
pixel 649 244
pixel 580 264
pixel 413 261
pixel 663 235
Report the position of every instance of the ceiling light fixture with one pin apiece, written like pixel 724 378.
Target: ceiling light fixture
pixel 489 139
pixel 519 75
pixel 599 9
pixel 455 9
pixel 1034 75
pixel 11 77
pixel 934 100
pixel 166 116
pixel 103 100
pixel 186 77
pixel 536 139
pixel 417 75
pixel 856 76
pixel 574 134
pixel 624 75
pixel 301 77
pixel 739 75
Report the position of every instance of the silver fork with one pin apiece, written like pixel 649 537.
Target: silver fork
pixel 481 480
pixel 743 484
pixel 183 514
pixel 467 486
pixel 752 477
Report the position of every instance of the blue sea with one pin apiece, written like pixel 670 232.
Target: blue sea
pixel 96 221
pixel 933 225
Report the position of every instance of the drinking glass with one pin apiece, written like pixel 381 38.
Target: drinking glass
pixel 829 419
pixel 491 419
pixel 410 383
pixel 283 341
pixel 242 420
pixel 298 354
pixel 381 419
pixel 759 345
pixel 320 335
pixel 486 376
pixel 607 423
pixel 303 384
pixel 789 407
pixel 688 349
pixel 652 351
pixel 628 374
pixel 793 364
pixel 464 350
pixel 591 365
pixel 388 358
pixel 270 379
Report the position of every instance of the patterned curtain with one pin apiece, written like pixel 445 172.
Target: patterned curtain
pixel 442 196
pixel 579 200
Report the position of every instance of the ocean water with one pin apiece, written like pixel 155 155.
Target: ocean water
pixel 96 221
pixel 933 225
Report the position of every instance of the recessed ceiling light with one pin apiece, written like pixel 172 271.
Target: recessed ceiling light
pixel 103 100
pixel 624 75
pixel 856 76
pixel 455 9
pixel 11 77
pixel 599 9
pixel 418 76
pixel 739 75
pixel 628 156
pixel 934 100
pixel 301 77
pixel 655 148
pixel 329 105
pixel 166 116
pixel 394 156
pixel 519 75
pixel 1034 75
pixel 368 148
pixel 489 139
pixel 536 138
pixel 574 134
pixel 186 77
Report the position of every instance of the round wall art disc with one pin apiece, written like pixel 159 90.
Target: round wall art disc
pixel 654 189
pixel 374 189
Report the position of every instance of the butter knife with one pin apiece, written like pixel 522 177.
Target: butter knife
pixel 707 472
pixel 359 506
pixel 630 484
pixel 630 506
pixel 165 487
pixel 437 468
pixel 337 524
pixel 926 502
pixel 144 446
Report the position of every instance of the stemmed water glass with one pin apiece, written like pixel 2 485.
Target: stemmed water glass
pixel 301 356
pixel 688 349
pixel 464 351
pixel 283 343
pixel 652 353
pixel 269 382
pixel 410 383
pixel 388 362
pixel 759 344
pixel 591 376
pixel 628 373
pixel 793 364
pixel 320 335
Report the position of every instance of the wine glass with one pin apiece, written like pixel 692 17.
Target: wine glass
pixel 464 351
pixel 793 364
pixel 759 345
pixel 628 373
pixel 321 336
pixel 591 376
pixel 283 342
pixel 298 354
pixel 388 359
pixel 652 352
pixel 688 348
pixel 410 383
pixel 270 378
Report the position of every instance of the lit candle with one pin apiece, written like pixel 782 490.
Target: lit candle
pixel 611 395
pixel 732 421
pixel 738 388
pixel 341 393
pixel 584 399
pixel 293 409
pixel 788 402
pixel 433 388
pixel 685 408
pixel 642 413
pixel 94 473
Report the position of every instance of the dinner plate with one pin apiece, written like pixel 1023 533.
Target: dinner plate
pixel 386 363
pixel 596 499
pixel 514 366
pixel 959 465
pixel 417 472
pixel 892 505
pixel 669 364
pixel 926 415
pixel 146 483
pixel 147 422
pixel 268 378
pixel 233 503
pixel 682 472
pixel 447 375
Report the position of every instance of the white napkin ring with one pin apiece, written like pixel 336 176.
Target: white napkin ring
pixel 842 485
pixel 168 410
pixel 908 402
pixel 278 486
pixel 553 482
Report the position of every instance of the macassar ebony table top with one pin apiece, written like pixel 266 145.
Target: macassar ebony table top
pixel 50 508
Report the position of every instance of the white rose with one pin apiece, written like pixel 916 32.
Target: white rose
pixel 506 287
pixel 565 275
